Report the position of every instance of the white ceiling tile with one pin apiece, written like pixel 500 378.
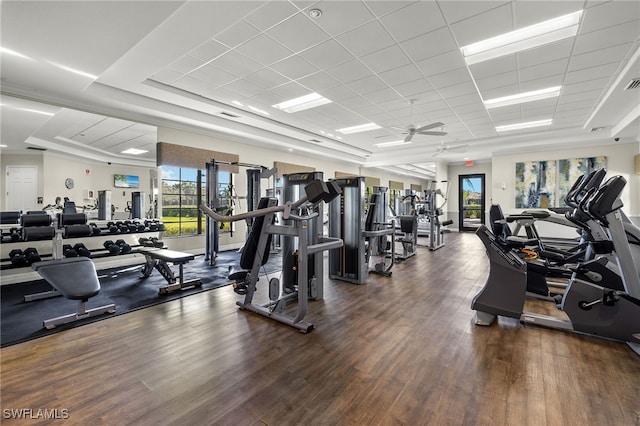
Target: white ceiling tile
pixel 243 88
pixel 585 86
pixel 449 78
pixel 502 115
pixel 484 25
pixel 401 74
pixel 382 8
pixel 538 108
pixel 413 88
pixel 385 59
pixel 365 39
pixel 413 20
pixel 186 63
pixel 429 44
pixel 499 92
pixel 193 85
pixel 456 101
pixel 264 50
pixel 266 78
pixel 550 81
pixel 382 95
pixel 298 33
pixel 267 97
pixel 549 52
pixel 270 14
pixel 294 67
pixel 591 73
pixel 440 63
pixel 573 106
pixel 327 55
pixel 338 93
pixel 532 12
pixel 237 34
pixel 499 80
pixel 290 90
pixel 493 67
pixel 208 50
pixel 213 75
pixel 349 71
pixel 236 63
pixel 457 10
pixel 458 90
pixel 610 36
pixel 318 81
pixel 591 95
pixel 599 57
pixel 609 15
pixel 367 85
pixel 167 76
pixel 546 69
pixel 341 16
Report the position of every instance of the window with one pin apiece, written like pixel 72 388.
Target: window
pixel 183 190
pixel 180 201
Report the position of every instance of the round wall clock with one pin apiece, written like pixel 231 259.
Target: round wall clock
pixel 68 183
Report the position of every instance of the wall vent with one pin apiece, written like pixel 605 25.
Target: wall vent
pixel 597 129
pixel 228 114
pixel 633 84
pixel 315 141
pixel 35 148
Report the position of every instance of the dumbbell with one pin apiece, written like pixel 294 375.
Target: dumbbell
pixel 112 228
pixel 112 247
pixel 140 227
pixel 18 258
pixel 95 230
pixel 15 234
pixel 32 255
pixel 82 250
pixel 69 251
pixel 124 247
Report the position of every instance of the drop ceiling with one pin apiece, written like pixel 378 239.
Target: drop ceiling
pixel 92 79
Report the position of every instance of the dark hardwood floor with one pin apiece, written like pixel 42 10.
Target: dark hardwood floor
pixel 394 351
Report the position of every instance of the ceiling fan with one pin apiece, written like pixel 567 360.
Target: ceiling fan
pixel 448 148
pixel 411 129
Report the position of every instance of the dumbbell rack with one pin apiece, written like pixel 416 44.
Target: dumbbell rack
pixel 53 249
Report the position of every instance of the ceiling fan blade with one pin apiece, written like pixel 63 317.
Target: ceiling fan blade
pixel 429 126
pixel 408 138
pixel 433 133
pixel 398 128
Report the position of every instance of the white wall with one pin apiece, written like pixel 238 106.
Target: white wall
pixel 89 175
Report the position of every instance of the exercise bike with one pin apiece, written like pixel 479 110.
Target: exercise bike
pixel 593 309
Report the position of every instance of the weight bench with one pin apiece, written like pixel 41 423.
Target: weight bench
pixel 157 258
pixel 76 279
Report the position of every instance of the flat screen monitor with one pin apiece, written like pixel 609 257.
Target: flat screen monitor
pixel 126 181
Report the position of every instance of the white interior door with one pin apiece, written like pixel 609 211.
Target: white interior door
pixel 21 188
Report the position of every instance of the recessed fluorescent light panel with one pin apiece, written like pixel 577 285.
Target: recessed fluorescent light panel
pixel 520 98
pixel 311 100
pixel 518 126
pixel 525 38
pixel 358 129
pixel 392 143
pixel 134 151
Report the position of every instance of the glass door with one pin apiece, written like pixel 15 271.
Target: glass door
pixel 471 202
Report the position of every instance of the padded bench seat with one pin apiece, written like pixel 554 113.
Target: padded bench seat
pixel 76 279
pixel 159 258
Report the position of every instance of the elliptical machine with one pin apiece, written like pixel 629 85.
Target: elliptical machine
pixel 592 309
